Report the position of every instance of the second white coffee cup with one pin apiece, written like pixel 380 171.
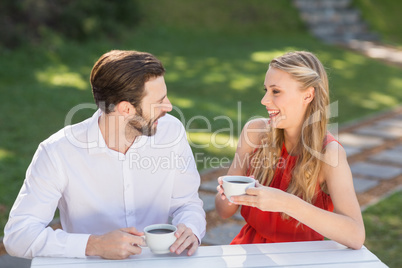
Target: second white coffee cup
pixel 159 237
pixel 236 185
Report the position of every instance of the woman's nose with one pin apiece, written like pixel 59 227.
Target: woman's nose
pixel 266 99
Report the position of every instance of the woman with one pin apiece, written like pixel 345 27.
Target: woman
pixel 304 188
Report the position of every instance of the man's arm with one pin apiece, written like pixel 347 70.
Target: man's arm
pixel 26 232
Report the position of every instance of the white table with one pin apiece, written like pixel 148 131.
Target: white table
pixel 300 254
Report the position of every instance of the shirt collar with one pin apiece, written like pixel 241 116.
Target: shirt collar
pixel 96 142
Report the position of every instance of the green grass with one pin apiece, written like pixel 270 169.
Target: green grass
pixel 207 75
pixel 234 16
pixel 384 230
pixel 383 17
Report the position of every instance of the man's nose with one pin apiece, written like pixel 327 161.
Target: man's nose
pixel 167 105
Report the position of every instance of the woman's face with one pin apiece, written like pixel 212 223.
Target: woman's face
pixel 285 102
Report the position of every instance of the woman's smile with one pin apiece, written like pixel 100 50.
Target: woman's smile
pixel 272 113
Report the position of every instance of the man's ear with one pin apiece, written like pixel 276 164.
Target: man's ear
pixel 309 95
pixel 125 108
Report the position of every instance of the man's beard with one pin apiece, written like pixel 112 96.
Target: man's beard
pixel 143 125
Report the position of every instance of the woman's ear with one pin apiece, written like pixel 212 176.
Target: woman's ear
pixel 309 95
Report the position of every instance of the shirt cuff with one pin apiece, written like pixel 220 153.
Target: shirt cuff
pixel 195 232
pixel 76 245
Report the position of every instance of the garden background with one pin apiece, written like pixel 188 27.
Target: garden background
pixel 216 54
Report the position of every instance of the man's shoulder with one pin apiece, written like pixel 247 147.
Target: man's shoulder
pixel 170 119
pixel 169 122
pixel 68 135
pixel 170 130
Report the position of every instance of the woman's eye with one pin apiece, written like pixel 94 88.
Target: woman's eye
pixel 275 91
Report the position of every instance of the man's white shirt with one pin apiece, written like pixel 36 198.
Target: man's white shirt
pixel 98 190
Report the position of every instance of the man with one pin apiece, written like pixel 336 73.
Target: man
pixel 111 175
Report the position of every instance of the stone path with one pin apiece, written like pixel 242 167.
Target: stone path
pixel 376 50
pixel 374 149
pixel 334 22
pixel 340 23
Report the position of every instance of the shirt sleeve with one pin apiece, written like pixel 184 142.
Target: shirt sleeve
pixel 26 233
pixel 186 206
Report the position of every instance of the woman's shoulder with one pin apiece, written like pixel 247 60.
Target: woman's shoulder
pixel 334 152
pixel 257 124
pixel 253 132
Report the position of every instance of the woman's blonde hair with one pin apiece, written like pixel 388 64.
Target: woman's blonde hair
pixel 305 68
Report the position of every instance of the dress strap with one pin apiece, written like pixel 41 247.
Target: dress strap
pixel 328 139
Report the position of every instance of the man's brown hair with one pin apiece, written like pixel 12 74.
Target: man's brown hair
pixel 120 75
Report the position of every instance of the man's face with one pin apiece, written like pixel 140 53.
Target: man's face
pixel 154 105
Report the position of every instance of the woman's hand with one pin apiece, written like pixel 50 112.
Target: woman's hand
pixel 263 198
pixel 224 208
pixel 219 188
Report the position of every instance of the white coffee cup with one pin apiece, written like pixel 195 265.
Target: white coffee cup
pixel 159 237
pixel 236 185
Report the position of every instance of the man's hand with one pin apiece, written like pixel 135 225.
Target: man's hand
pixel 185 240
pixel 118 244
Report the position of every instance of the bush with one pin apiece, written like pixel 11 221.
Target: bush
pixel 29 20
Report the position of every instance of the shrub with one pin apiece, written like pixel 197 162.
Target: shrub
pixel 28 20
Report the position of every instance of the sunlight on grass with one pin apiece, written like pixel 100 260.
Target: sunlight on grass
pixel 172 77
pixel 214 77
pixel 212 142
pixel 356 59
pixel 62 77
pixel 369 104
pixel 180 63
pixel 377 100
pixel 211 61
pixel 181 102
pixel 180 67
pixel 395 82
pixel 383 99
pixel 339 64
pixel 265 56
pixel 235 112
pixel 349 74
pixel 242 82
pixel 6 154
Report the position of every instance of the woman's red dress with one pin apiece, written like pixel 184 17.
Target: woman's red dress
pixel 270 227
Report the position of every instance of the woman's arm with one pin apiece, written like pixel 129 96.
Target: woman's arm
pixel 248 141
pixel 344 225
